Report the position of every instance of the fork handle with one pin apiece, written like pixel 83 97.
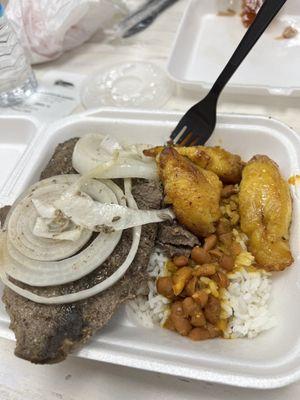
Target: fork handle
pixel 266 14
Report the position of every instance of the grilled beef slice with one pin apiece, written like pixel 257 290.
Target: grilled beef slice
pixel 175 239
pixel 48 333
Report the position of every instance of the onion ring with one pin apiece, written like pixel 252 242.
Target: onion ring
pixel 50 273
pixel 84 294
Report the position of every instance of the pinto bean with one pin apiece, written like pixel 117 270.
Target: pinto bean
pixel 200 256
pixel 182 325
pixel 212 309
pixel 177 309
pixel 199 334
pixel 210 242
pixel 198 319
pixel 216 253
pixel 180 261
pixel 213 331
pixel 164 287
pixel 190 287
pixel 227 262
pixel 190 307
pixel 201 298
pixel 205 270
pixel 169 324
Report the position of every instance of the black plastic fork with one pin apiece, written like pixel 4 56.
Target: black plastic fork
pixel 198 124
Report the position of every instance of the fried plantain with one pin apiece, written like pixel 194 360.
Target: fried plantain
pixel 265 211
pixel 193 192
pixel 227 166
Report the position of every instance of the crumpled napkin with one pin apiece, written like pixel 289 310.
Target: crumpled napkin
pixel 47 28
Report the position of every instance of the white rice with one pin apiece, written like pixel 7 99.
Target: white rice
pixel 247 299
pixel 245 302
pixel 151 310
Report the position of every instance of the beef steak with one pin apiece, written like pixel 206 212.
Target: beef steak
pixel 48 333
pixel 174 239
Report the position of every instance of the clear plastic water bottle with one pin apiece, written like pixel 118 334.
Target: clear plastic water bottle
pixel 17 80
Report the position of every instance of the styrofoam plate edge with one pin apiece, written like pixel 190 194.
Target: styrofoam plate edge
pixel 117 355
pixel 114 354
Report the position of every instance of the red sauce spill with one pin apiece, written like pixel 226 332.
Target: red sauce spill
pixel 250 9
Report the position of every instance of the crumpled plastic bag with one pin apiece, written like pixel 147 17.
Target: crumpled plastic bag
pixel 47 28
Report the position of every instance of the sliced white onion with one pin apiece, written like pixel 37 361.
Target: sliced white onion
pixel 84 294
pixel 42 229
pixel 51 273
pixel 91 151
pixel 22 217
pixel 108 144
pixel 48 273
pixel 45 210
pixel 99 217
pixel 138 151
pixel 122 168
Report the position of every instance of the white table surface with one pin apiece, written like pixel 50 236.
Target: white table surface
pixel 81 379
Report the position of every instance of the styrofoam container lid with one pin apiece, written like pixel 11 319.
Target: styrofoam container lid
pixel 268 361
pixel 205 41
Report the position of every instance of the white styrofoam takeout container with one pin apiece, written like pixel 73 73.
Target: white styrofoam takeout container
pixel 18 136
pixel 205 41
pixel 268 361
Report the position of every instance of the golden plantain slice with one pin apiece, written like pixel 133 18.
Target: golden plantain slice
pixel 265 211
pixel 193 192
pixel 227 166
